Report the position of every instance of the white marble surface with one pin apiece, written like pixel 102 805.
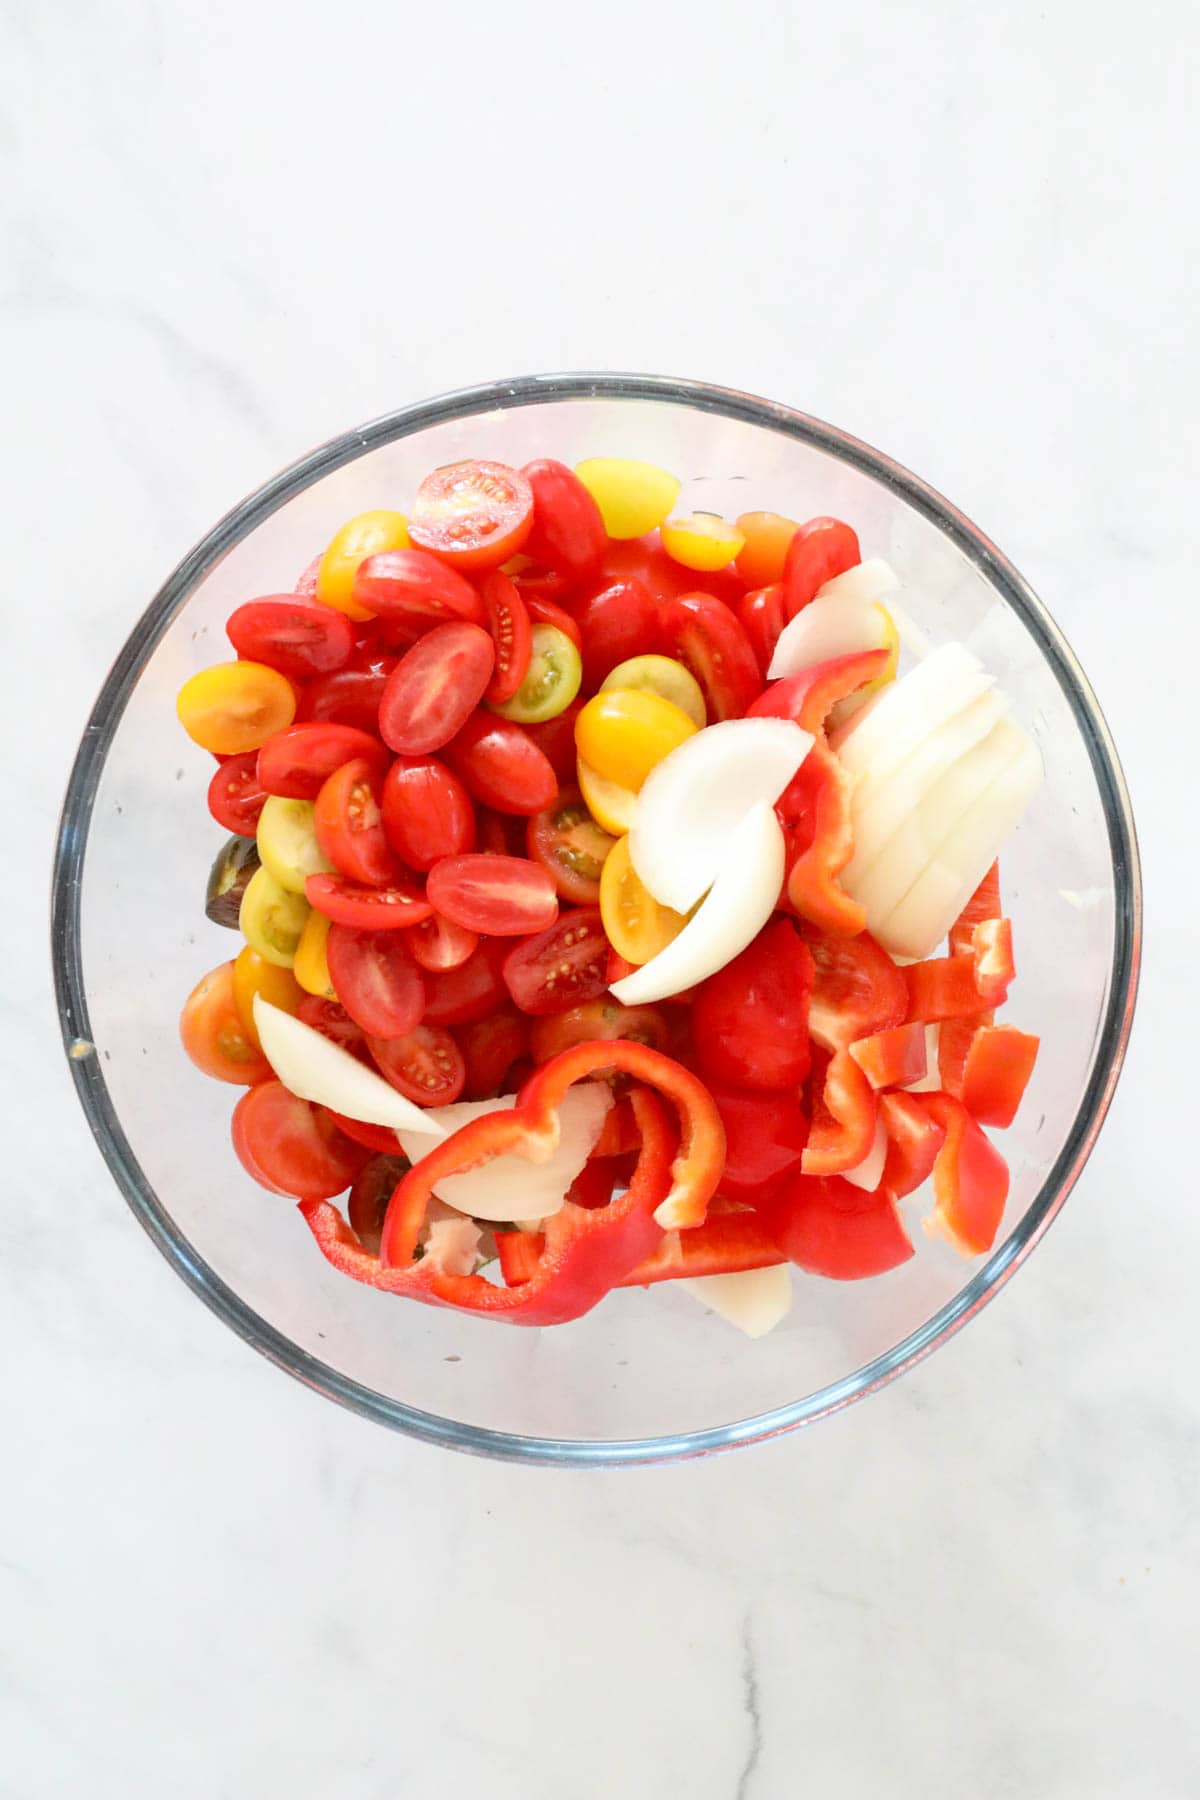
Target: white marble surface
pixel 967 234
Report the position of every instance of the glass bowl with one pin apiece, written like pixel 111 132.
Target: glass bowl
pixel 650 1375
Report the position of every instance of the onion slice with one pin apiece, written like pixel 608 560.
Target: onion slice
pixel 828 627
pixel 514 1187
pixel 909 709
pixel 752 1299
pixel 315 1069
pixel 874 579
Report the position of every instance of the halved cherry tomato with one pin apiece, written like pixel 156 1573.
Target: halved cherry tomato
pixel 490 1047
pixel 555 738
pixel 638 925
pixel 502 896
pixel 306 584
pixel 349 825
pixel 500 834
pixel 707 638
pixel 410 591
pixel 437 944
pixel 291 1147
pixel 435 687
pixel 426 1065
pixel 623 733
pixel 331 1019
pixel 857 989
pixel 617 622
pixel 236 797
pixel 819 550
pixel 236 706
pixel 544 611
pixel 645 560
pixel 288 635
pixel 763 617
pixel 214 1035
pixel 596 1022
pixel 376 979
pixel 475 514
pixel 427 812
pixel 750 1019
pixel 560 967
pixel 633 497
pixel 375 1137
pixel 551 680
pixel 701 540
pixel 253 974
pixel 507 619
pixel 311 967
pixel 767 536
pixel 297 763
pixel 566 840
pixel 471 991
pixel 350 697
pixel 501 766
pixel 389 908
pixel 765 1135
pixel 364 535
pixel 568 532
pixel 533 581
pixel 373 1187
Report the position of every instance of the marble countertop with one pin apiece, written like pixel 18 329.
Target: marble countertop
pixel 967 235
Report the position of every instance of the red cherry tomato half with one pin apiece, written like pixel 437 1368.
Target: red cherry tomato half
pixel 544 611
pixel 437 944
pixel 820 549
pixel 512 635
pixel 331 1020
pixel 297 639
pixel 350 697
pixel 472 990
pixel 596 1022
pixel 618 621
pixel 501 765
pixel 750 1019
pixel 373 1187
pixel 645 560
pixel 568 532
pixel 349 826
pixel 535 583
pixel 390 908
pixel 475 514
pixel 561 967
pixel 427 812
pixel 703 634
pixel 376 980
pixel 555 738
pixel 502 896
pixel 298 762
pixel 763 617
pixel 501 834
pixel 435 687
pixel 426 1065
pixel 566 840
pixel 215 1037
pixel 490 1047
pixel 235 794
pixel 413 591
pixel 765 1135
pixel 306 586
pixel 291 1147
pixel 374 1137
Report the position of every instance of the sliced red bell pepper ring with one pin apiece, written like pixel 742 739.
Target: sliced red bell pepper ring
pixel 831 1228
pixel 970 1179
pixel 726 1244
pixel 914 1139
pixel 892 1058
pixel 983 904
pixel 996 1073
pixel 843 1119
pixel 821 790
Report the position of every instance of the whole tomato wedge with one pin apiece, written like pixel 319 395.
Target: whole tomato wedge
pixel 236 796
pixel 292 1147
pixel 596 1021
pixel 765 1135
pixel 490 1047
pixel 349 825
pixel 435 687
pixel 617 622
pixel 499 763
pixel 410 591
pixel 566 840
pixel 427 812
pixel 296 763
pixel 214 1035
pixel 502 896
pixel 567 534
pixel 373 1187
pixel 704 635
pixel 349 697
pixel 472 990
pixel 561 967
pixel 507 619
pixel 390 908
pixel 750 1019
pixel 297 639
pixel 819 550
pixel 376 980
pixel 555 738
pixel 331 1019
pixel 426 1065
pixel 474 514
pixel 437 944
pixel 763 617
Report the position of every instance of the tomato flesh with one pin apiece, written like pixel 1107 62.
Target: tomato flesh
pixel 750 1019
pixel 390 908
pixel 236 797
pixel 555 738
pixel 349 697
pixel 292 1147
pixel 567 534
pixel 490 1047
pixel 475 514
pixel 819 550
pixel 411 591
pixel 561 967
pixel 596 1021
pixel 287 635
pixel 502 896
pixel 349 825
pixel 373 1188
pixel 426 1065
pixel 566 840
pixel 376 980
pixel 470 991
pixel 296 763
pixel 709 640
pixel 437 944
pixel 765 1135
pixel 427 812
pixel 331 1019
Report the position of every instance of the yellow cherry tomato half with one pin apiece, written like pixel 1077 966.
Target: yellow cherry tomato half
pixel 272 919
pixel 235 706
pixel 762 556
pixel 253 974
pixel 701 540
pixel 364 535
pixel 637 926
pixel 633 497
pixel 625 732
pixel 310 967
pixel 287 843
pixel 611 805
pixel 663 676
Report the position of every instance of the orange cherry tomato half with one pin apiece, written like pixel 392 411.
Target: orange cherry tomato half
pixel 236 706
pixel 762 556
pixel 213 1033
pixel 475 514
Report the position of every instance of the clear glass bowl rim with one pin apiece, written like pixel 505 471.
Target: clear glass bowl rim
pixel 71 848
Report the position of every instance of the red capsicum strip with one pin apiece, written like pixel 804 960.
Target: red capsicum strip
pixel 832 1228
pixel 998 1066
pixel 892 1058
pixel 944 987
pixel 726 1244
pixel 955 1037
pixel 821 790
pixel 970 1179
pixel 914 1139
pixel 983 904
pixel 992 952
pixel 843 1120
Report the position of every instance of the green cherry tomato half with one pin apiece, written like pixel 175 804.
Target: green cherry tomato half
pixel 551 683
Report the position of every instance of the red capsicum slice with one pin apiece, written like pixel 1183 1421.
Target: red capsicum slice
pixel 819 796
pixel 857 990
pixel 843 1121
pixel 943 987
pixel 726 1244
pixel 914 1139
pixel 983 904
pixel 970 1179
pixel 992 954
pixel 998 1066
pixel 892 1058
pixel 955 1037
pixel 831 1228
